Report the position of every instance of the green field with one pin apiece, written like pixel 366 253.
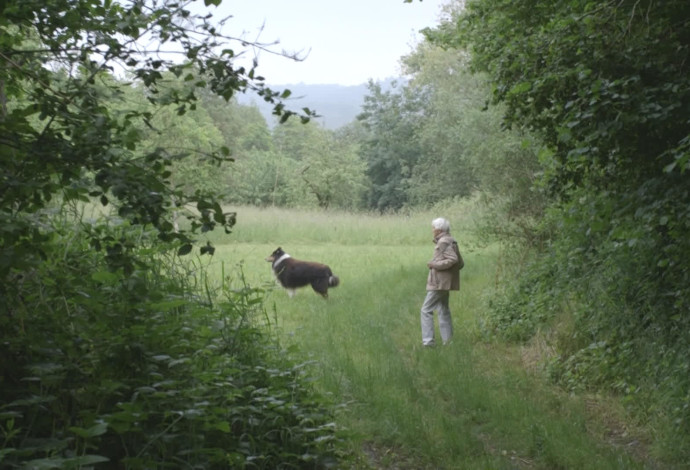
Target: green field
pixel 472 404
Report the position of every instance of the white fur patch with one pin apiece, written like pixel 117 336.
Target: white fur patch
pixel 291 292
pixel 281 259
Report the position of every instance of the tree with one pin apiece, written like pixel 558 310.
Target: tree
pixel 261 178
pixel 243 127
pixel 325 169
pixel 298 142
pixel 336 176
pixel 604 84
pixel 59 136
pixel 188 142
pixel 465 147
pixel 392 119
pixel 444 168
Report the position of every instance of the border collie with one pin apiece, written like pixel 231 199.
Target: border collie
pixel 293 273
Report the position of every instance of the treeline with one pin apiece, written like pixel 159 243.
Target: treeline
pixel 414 144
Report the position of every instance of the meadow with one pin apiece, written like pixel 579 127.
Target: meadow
pixel 471 404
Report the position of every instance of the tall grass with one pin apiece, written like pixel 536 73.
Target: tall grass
pixel 271 224
pixel 467 405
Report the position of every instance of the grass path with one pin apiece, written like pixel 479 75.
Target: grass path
pixel 469 405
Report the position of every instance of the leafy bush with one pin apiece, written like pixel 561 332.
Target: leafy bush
pixel 520 309
pixel 615 270
pixel 148 370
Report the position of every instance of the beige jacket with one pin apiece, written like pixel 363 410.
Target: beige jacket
pixel 444 270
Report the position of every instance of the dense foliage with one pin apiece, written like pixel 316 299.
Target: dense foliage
pixel 429 139
pixel 391 149
pixel 605 86
pixel 60 134
pixel 112 349
pixel 465 150
pixel 154 369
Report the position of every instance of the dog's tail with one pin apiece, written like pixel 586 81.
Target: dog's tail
pixel 333 281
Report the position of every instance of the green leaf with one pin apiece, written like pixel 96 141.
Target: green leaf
pixel 222 426
pixel 106 277
pixel 520 88
pixel 84 460
pixel 168 305
pixel 62 463
pixel 184 249
pixel 95 430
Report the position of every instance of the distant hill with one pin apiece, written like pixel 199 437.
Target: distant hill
pixel 337 105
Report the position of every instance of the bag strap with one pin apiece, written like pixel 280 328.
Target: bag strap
pixel 461 262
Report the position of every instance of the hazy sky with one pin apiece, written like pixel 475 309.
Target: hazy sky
pixel 347 41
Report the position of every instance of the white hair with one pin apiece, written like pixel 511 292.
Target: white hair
pixel 441 224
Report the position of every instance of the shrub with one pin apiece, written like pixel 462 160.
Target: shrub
pixel 151 369
pixel 616 268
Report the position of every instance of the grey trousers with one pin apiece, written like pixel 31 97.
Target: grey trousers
pixel 436 300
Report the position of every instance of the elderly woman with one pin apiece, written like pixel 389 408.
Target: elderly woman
pixel 444 276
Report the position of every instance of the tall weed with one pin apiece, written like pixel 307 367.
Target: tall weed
pixel 272 225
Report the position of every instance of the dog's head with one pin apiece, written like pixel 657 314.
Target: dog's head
pixel 275 255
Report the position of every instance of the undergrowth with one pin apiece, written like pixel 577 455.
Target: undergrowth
pixel 615 271
pixel 150 368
